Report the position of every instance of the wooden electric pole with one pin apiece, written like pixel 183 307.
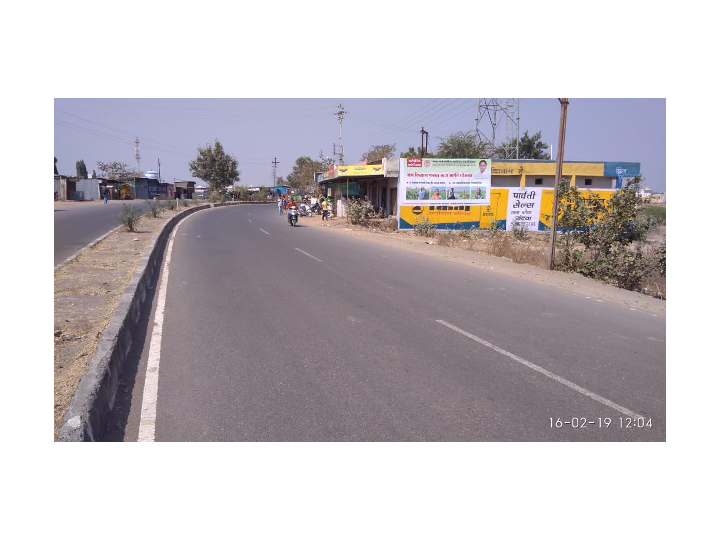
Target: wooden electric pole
pixel 558 176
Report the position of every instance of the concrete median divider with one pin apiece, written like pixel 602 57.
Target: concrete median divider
pixel 87 417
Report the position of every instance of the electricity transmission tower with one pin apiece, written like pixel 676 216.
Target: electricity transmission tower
pixel 340 114
pixel 490 114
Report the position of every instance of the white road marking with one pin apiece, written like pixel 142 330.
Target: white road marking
pixel 545 372
pixel 148 412
pixel 263 230
pixel 305 253
pixel 250 220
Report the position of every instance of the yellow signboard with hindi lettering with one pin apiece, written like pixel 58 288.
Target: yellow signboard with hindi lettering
pixel 359 170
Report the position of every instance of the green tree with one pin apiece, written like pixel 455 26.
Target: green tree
pixel 606 230
pixel 215 167
pixel 463 145
pixel 115 170
pixel 415 153
pixel 378 152
pixel 240 193
pixel 302 176
pixel 530 147
pixel 80 169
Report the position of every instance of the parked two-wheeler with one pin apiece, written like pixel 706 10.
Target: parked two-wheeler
pixel 305 209
pixel 316 209
pixel 293 216
pixel 56 196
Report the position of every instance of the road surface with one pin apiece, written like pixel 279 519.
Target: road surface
pixel 273 333
pixel 78 223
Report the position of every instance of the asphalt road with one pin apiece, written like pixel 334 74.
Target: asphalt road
pixel 78 223
pixel 273 333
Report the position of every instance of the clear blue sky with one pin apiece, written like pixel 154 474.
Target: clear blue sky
pixel 257 131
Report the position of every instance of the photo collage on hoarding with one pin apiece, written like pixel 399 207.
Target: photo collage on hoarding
pixel 425 181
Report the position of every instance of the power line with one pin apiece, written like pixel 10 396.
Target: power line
pixel 113 129
pixel 115 138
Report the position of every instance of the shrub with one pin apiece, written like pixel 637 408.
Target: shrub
pixel 468 234
pixel 660 262
pixel 215 197
pixel 388 224
pixel 520 232
pixel 129 216
pixel 156 207
pixel 424 227
pixel 359 210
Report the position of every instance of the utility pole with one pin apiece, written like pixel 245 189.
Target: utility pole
pixel 137 153
pixel 159 177
pixel 517 137
pixel 423 141
pixel 340 114
pixel 558 175
pixel 275 164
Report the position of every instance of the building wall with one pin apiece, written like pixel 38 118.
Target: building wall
pixel 509 174
pixel 89 187
pixel 480 217
pixel 603 174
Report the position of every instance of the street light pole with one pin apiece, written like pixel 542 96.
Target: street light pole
pixel 558 176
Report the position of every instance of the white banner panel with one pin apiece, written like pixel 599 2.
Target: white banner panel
pixel 523 208
pixel 444 182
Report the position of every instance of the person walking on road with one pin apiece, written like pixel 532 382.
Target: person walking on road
pixel 280 205
pixel 105 193
pixel 323 205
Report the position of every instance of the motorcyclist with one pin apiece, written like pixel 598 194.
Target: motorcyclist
pixel 291 206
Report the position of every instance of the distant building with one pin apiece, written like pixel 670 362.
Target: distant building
pixel 201 192
pixel 184 190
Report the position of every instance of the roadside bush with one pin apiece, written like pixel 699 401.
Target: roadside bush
pixel 424 227
pixel 360 210
pixel 129 216
pixel 168 203
pixel 605 240
pixel 520 232
pixel 468 234
pixel 215 197
pixel 156 207
pixel 624 267
pixel 660 261
pixel 388 224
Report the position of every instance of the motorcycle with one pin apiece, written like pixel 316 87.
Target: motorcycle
pixel 316 209
pixel 293 216
pixel 305 210
pixel 56 196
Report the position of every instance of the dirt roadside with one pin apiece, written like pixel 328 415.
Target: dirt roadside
pixel 566 281
pixel 88 289
pixel 87 292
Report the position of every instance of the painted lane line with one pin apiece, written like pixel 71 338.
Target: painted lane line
pixel 148 412
pixel 545 372
pixel 250 220
pixel 306 253
pixel 263 230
